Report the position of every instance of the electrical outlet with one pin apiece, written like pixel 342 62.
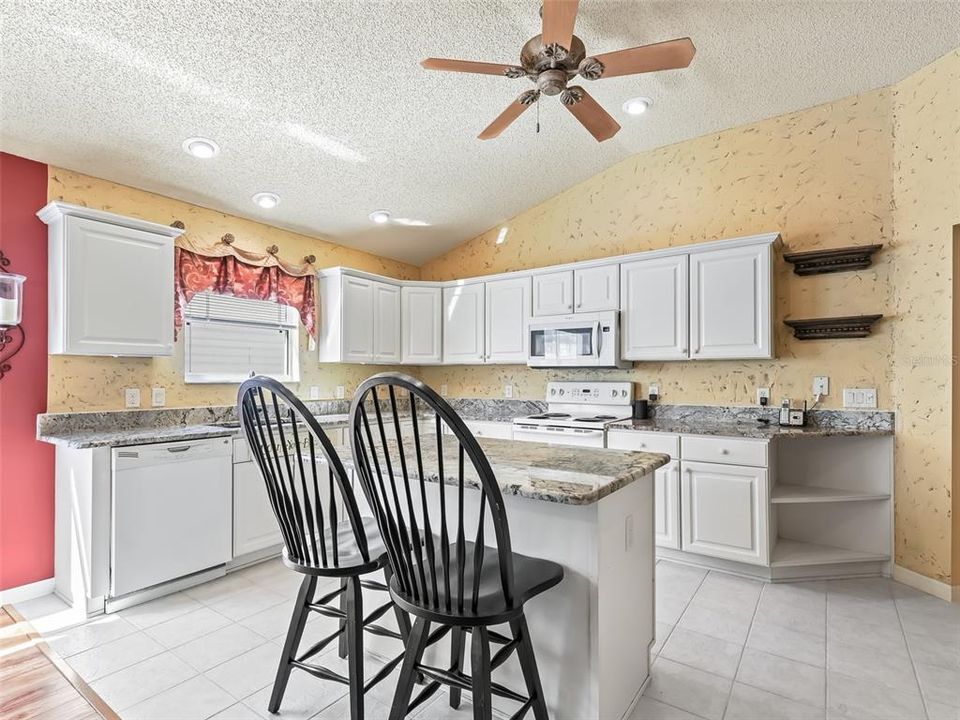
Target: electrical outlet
pixel 158 397
pixel 341 392
pixel 763 396
pixel 821 385
pixel 860 397
pixel 654 389
pixel 311 344
pixel 443 389
pixel 508 391
pixel 314 392
pixel 131 397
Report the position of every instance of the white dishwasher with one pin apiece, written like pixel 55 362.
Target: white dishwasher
pixel 170 512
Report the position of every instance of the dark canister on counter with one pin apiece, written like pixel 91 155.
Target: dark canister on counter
pixel 641 409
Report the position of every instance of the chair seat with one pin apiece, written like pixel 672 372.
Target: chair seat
pixel 349 559
pixel 531 576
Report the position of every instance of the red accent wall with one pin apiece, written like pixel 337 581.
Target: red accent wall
pixel 26 466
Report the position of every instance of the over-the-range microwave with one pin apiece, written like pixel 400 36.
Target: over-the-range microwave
pixel 581 340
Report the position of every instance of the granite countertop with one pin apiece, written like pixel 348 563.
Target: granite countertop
pixel 745 428
pixel 553 473
pixel 122 437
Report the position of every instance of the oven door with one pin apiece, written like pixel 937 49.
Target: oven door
pixel 559 342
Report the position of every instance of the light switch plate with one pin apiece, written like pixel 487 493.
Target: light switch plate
pixel 508 391
pixel 131 397
pixel 821 385
pixel 158 397
pixel 443 389
pixel 314 392
pixel 340 392
pixel 860 397
pixel 763 396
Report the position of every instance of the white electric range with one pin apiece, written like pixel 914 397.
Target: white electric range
pixel 577 413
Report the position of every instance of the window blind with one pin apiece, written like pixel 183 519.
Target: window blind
pixel 227 339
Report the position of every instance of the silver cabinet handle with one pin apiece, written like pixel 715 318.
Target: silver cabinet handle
pixel 179 448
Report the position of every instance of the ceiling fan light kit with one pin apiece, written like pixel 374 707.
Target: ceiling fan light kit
pixel 557 56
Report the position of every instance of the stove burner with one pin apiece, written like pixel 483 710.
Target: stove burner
pixel 548 416
pixel 595 418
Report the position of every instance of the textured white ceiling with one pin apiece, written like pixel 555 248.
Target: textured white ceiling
pixel 324 101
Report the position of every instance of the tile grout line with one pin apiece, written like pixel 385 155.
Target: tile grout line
pixel 913 664
pixel 743 649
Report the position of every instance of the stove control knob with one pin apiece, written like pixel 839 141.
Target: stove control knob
pixel 561 391
pixel 623 393
pixel 613 393
pixel 553 391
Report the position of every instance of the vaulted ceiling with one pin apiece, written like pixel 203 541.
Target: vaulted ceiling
pixel 324 102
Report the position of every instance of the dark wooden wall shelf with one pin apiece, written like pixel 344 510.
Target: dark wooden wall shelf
pixel 856 326
pixel 816 262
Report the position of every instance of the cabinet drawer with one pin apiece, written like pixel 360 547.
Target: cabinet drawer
pixel 646 441
pixel 726 450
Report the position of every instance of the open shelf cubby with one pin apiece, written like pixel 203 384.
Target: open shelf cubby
pixel 794 553
pixel 786 494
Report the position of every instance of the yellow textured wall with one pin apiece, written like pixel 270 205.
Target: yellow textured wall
pixel 94 383
pixel 926 192
pixel 820 176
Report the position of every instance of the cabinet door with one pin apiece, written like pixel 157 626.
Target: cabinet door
pixel 553 293
pixel 386 323
pixel 596 288
pixel 254 524
pixel 723 511
pixel 730 303
pixel 666 505
pixel 463 328
pixel 357 320
pixel 421 318
pixel 653 304
pixel 118 294
pixel 507 312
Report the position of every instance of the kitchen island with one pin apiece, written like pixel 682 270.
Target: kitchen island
pixel 590 510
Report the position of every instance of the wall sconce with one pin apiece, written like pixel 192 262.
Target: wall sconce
pixel 11 313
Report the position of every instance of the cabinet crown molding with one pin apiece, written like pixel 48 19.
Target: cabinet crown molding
pixel 57 210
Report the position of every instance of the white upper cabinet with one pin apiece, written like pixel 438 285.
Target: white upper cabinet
pixel 463 327
pixel 507 313
pixel 421 319
pixel 730 303
pixel 654 304
pixel 596 288
pixel 553 293
pixel 386 323
pixel 110 283
pixel 359 319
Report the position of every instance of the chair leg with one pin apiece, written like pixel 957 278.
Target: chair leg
pixel 456 661
pixel 290 645
pixel 403 619
pixel 480 672
pixel 354 634
pixel 342 647
pixel 528 663
pixel 412 656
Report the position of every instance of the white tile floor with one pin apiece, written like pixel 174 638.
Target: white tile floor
pixel 726 648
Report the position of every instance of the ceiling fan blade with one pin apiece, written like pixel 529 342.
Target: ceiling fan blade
pixel 503 120
pixel 466 66
pixel 559 17
pixel 669 55
pixel 593 117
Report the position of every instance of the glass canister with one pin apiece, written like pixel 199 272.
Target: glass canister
pixel 11 298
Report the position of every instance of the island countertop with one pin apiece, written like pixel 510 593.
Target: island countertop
pixel 553 473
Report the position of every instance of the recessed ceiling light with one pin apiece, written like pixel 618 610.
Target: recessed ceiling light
pixel 410 222
pixel 266 200
pixel 202 148
pixel 637 105
pixel 380 217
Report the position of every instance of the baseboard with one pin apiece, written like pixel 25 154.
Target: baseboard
pixel 926 584
pixel 22 593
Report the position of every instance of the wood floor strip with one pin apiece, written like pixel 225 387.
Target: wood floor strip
pixel 36 683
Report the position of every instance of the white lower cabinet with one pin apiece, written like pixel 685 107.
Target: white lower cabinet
pixel 724 511
pixel 666 505
pixel 254 524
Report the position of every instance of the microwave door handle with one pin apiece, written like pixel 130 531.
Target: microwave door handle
pixel 598 339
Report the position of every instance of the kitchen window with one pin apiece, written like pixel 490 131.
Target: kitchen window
pixel 226 339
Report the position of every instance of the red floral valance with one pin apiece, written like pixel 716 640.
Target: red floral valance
pixel 228 275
